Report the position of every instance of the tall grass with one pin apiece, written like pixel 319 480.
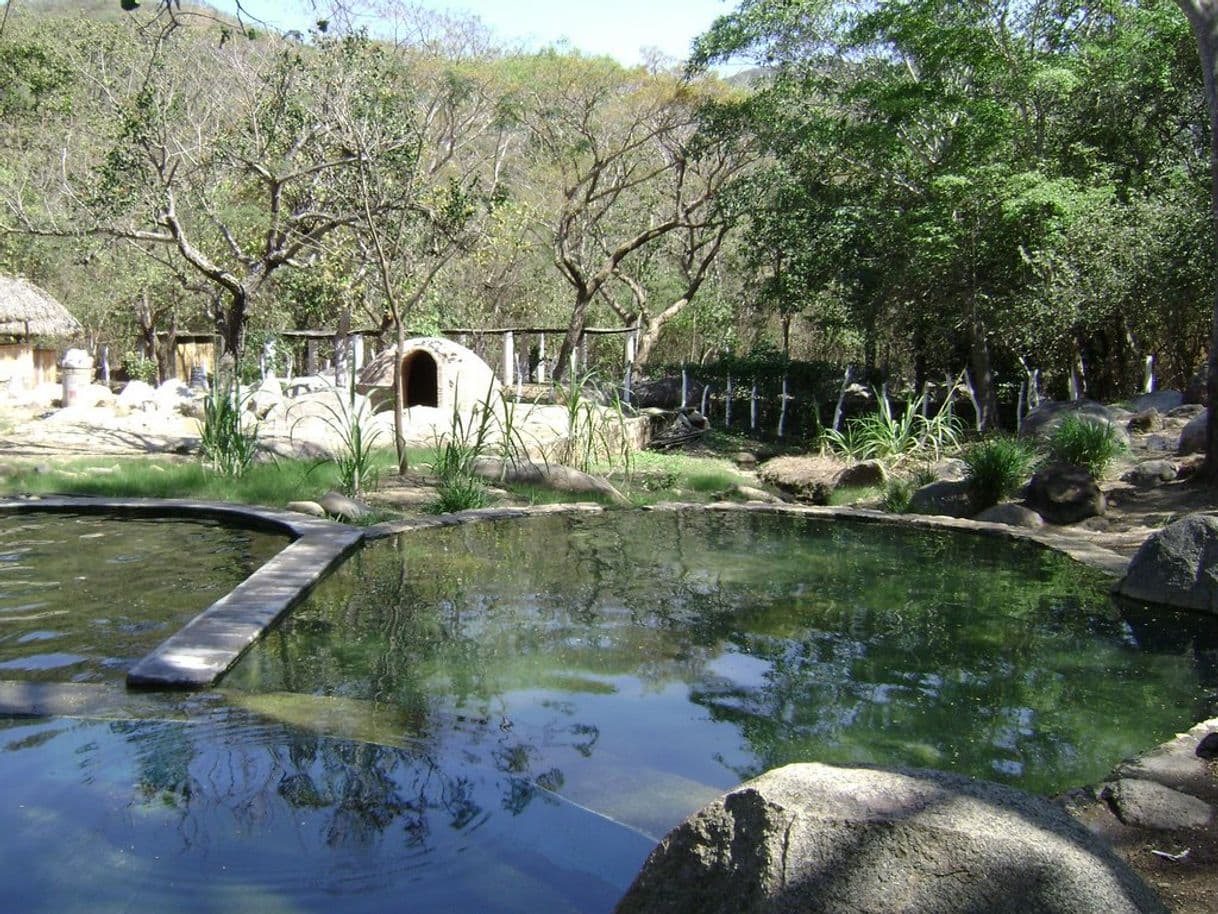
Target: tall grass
pixel 995 469
pixel 1083 443
pixel 892 438
pixel 355 458
pixel 228 443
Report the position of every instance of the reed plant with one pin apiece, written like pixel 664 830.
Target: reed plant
pixel 1085 443
pixel 229 441
pixel 995 469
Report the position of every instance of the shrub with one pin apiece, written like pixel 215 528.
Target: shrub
pixel 1086 444
pixel 898 493
pixel 227 445
pixel 996 468
pixel 886 436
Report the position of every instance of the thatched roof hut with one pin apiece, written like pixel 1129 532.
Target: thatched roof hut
pixel 27 312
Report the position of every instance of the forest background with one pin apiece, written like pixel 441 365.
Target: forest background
pixel 1020 189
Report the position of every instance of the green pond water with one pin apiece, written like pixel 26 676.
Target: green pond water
pixel 82 597
pixel 505 717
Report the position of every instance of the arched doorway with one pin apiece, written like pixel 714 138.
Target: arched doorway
pixel 420 381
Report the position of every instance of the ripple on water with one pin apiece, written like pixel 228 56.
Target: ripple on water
pixel 227 814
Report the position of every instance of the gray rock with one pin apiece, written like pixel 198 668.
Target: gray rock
pixel 311 508
pixel 1065 494
pixel 950 468
pixel 1145 804
pixel 745 459
pixel 1187 411
pixel 752 493
pixel 1151 473
pixel 1011 514
pixel 266 396
pixel 1148 420
pixel 1177 566
pixel 1161 400
pixel 813 838
pixel 1041 422
pixel 552 475
pixel 866 474
pixel 946 497
pixel 1192 436
pixel 338 505
pixel 808 479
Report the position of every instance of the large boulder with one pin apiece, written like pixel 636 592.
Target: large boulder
pixel 1151 473
pixel 947 497
pixel 1011 514
pixel 550 475
pixel 1041 422
pixel 866 474
pixel 1160 400
pixel 1065 494
pixel 1192 436
pixel 809 479
pixel 814 838
pixel 1177 566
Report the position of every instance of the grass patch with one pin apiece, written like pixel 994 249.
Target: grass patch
pixel 273 484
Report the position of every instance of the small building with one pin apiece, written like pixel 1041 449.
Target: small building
pixel 32 327
pixel 436 373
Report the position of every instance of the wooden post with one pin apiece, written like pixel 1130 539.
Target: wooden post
pixel 753 407
pixel 626 386
pixel 629 350
pixel 706 401
pixel 841 399
pixel 509 359
pixel 105 364
pixel 727 409
pixel 684 386
pixel 582 363
pixel 540 375
pixel 311 356
pixel 782 412
pixel 1148 375
pixel 357 351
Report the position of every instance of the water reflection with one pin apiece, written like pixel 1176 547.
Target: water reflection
pixel 703 649
pixel 230 814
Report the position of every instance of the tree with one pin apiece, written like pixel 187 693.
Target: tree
pixel 238 156
pixel 1203 18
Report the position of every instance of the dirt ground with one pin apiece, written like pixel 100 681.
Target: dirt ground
pixel 1186 882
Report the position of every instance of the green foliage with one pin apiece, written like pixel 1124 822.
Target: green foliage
pixel 356 458
pixel 596 434
pixel 898 493
pixel 996 468
pixel 467 441
pixel 229 442
pixel 884 435
pixel 140 368
pixel 1083 443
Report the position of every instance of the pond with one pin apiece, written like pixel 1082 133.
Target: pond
pixel 84 596
pixel 505 717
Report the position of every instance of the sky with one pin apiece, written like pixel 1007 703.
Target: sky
pixel 619 28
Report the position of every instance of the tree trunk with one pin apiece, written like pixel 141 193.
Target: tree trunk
pixel 575 333
pixel 1203 17
pixel 230 323
pixel 982 375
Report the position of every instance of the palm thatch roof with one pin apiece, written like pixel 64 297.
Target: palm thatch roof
pixel 27 311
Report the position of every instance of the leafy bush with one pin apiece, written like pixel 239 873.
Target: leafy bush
pixel 355 458
pixel 228 446
pixel 1085 444
pixel 898 493
pixel 886 436
pixel 997 468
